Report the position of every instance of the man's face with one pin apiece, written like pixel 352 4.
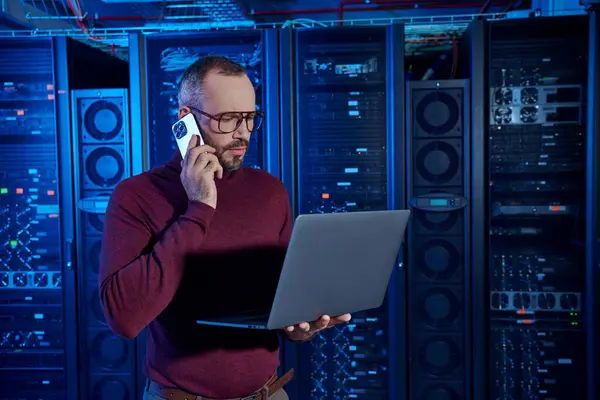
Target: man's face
pixel 225 94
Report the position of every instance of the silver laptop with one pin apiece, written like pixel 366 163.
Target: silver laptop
pixel 335 264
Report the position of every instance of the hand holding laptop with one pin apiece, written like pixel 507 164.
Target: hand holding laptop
pixel 306 330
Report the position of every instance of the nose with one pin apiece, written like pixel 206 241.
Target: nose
pixel 242 132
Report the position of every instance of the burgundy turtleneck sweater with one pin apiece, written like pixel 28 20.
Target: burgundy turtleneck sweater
pixel 167 262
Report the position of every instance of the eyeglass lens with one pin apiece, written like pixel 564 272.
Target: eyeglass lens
pixel 229 122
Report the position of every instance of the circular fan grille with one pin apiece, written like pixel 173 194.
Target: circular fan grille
pixel 438 113
pixel 438 307
pixel 438 259
pixel 439 356
pixel 529 96
pixel 109 351
pixel 503 96
pixel 103 120
pixel 529 115
pixel 438 162
pixel 104 166
pixel 503 115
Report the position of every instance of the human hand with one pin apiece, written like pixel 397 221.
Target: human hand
pixel 198 172
pixel 306 330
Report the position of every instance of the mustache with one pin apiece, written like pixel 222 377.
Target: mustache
pixel 237 143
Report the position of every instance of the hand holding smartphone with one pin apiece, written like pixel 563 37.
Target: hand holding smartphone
pixel 200 166
pixel 184 130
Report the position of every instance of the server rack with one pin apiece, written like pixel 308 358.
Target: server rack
pixel 159 61
pixel 340 76
pixel 40 273
pixel 477 42
pixel 36 282
pixel 439 240
pixel 535 284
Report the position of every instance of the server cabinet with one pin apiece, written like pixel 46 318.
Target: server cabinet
pixel 101 159
pixel 536 118
pixel 438 238
pixel 343 149
pixel 37 292
pixel 40 264
pixel 161 59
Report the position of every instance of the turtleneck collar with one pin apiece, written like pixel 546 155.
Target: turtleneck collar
pixel 175 163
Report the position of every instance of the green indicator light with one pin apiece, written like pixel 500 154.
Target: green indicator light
pixel 13 243
pixel 3 190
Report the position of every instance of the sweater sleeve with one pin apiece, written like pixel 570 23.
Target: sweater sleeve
pixel 139 276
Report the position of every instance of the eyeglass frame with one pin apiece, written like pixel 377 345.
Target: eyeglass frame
pixel 244 116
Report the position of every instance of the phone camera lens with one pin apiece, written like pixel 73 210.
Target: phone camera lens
pixel 180 130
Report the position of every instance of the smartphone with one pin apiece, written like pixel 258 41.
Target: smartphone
pixel 184 130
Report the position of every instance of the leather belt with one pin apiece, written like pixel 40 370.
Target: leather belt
pixel 269 389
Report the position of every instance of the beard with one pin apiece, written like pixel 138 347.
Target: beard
pixel 233 163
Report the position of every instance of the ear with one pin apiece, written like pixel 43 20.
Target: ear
pixel 183 111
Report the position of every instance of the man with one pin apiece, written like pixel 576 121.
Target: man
pixel 199 237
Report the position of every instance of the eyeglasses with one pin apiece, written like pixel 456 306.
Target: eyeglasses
pixel 230 121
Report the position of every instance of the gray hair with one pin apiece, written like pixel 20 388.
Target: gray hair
pixel 189 92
